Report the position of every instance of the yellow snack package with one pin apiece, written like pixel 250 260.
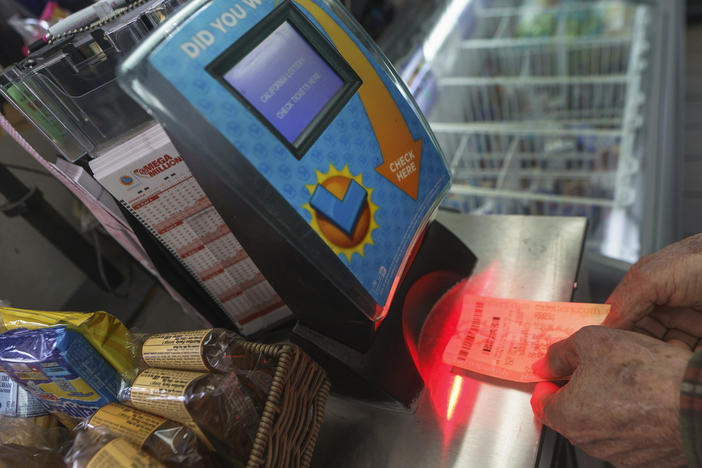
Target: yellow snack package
pixel 102 330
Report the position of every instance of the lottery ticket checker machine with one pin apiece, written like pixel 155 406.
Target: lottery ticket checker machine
pixel 317 157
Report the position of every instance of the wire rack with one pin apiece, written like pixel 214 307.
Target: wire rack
pixel 538 108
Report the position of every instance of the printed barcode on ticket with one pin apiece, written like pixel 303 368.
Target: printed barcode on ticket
pixel 503 337
pixel 474 329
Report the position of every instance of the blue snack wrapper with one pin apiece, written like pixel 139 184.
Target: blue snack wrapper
pixel 60 368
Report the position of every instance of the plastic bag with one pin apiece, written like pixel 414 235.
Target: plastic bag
pixel 103 331
pixel 214 349
pixel 213 405
pixel 102 449
pixel 42 432
pixel 58 366
pixel 167 441
pixel 12 456
pixel 32 442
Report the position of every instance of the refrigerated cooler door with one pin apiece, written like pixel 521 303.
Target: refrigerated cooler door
pixel 555 108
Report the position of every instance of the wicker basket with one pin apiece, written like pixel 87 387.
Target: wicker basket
pixel 294 410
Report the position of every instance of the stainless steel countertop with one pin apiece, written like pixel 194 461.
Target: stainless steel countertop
pixel 467 420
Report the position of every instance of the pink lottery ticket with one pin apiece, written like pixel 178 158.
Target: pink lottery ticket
pixel 503 337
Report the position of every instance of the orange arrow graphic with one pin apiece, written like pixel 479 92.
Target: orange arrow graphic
pixel 402 155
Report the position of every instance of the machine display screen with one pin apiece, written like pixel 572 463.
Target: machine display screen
pixel 285 80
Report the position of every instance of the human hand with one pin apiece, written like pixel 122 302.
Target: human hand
pixel 661 295
pixel 622 401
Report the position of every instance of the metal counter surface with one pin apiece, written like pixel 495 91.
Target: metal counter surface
pixel 467 420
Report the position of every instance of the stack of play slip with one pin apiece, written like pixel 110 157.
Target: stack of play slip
pixel 147 175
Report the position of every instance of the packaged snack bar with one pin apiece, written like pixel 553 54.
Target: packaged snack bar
pixel 169 442
pixel 103 331
pixel 214 349
pixel 213 405
pixel 16 402
pixel 99 449
pixel 59 367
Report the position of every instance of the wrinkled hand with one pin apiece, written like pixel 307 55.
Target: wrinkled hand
pixel 661 295
pixel 622 401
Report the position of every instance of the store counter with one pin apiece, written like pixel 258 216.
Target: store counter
pixel 467 419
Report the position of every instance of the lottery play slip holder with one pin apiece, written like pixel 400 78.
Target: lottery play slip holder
pixel 386 371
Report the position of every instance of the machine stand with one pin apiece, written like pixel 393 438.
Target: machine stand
pixel 387 372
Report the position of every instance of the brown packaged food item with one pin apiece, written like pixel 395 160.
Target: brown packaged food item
pixel 13 455
pixel 99 449
pixel 67 421
pixel 214 406
pixel 41 433
pixel 169 442
pixel 214 349
pixel 32 442
pixel 47 421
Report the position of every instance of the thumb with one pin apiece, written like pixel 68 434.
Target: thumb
pixel 560 361
pixel 542 397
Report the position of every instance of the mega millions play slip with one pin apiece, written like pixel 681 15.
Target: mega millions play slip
pixel 503 337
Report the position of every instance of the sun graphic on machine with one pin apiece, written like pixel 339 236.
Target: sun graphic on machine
pixel 343 213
